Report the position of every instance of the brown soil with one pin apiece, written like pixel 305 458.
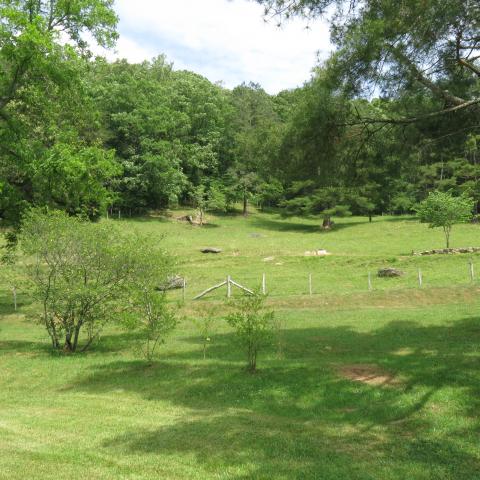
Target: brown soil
pixel 366 373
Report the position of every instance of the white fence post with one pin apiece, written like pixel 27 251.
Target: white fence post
pixel 264 284
pixel 229 287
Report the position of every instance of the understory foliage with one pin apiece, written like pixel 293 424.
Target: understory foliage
pixel 151 318
pixel 443 210
pixel 84 273
pixel 254 326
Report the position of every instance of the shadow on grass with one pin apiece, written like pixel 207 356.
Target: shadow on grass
pixel 289 226
pixel 7 306
pixel 298 416
pixel 397 218
pixel 19 347
pixel 107 344
pixel 143 218
pixel 244 445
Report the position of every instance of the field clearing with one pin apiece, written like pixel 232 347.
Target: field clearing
pixel 363 385
pixel 355 245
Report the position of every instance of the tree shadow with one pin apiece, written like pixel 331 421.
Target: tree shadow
pixel 299 416
pixel 210 225
pixel 398 218
pixel 20 346
pixel 247 446
pixel 7 306
pixel 144 218
pixel 289 226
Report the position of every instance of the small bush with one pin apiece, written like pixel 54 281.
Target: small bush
pixel 152 318
pixel 254 326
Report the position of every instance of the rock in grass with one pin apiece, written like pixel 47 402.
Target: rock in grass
pixel 171 283
pixel 316 253
pixel 211 250
pixel 449 251
pixel 389 272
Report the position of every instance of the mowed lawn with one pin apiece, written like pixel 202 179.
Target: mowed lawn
pixel 381 384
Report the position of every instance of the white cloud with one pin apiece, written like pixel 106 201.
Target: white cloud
pixel 223 40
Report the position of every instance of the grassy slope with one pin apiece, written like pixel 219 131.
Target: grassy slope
pixel 105 415
pixel 356 245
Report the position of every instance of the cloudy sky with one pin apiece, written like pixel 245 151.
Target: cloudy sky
pixel 224 40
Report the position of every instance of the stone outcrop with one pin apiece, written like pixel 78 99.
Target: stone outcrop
pixel 172 283
pixel 389 272
pixel 448 251
pixel 211 250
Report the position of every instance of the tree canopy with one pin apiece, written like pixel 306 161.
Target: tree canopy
pixel 391 115
pixel 428 50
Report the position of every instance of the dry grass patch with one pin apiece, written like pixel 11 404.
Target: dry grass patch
pixel 367 373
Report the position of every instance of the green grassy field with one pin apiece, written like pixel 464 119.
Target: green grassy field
pixel 366 385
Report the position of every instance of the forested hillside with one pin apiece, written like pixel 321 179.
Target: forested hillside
pixel 391 115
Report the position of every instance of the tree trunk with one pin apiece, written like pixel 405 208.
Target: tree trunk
pixel 447 236
pixel 245 203
pixel 68 347
pixel 327 223
pixel 52 331
pixel 75 338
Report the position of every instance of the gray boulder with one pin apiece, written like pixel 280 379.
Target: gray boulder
pixel 389 272
pixel 211 250
pixel 172 283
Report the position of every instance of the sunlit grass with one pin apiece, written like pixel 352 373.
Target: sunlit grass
pixel 107 415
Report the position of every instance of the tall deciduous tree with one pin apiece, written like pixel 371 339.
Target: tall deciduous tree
pixel 166 126
pixel 42 87
pixel 255 138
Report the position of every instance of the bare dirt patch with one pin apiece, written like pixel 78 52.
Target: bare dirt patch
pixel 367 373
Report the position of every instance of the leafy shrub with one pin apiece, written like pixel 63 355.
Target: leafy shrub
pixel 254 326
pixel 84 273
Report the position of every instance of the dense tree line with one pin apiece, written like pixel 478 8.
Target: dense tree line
pixel 390 116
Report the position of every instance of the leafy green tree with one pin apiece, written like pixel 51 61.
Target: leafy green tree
pixel 312 137
pixel 422 60
pixel 255 139
pixel 200 202
pixel 209 199
pixel 270 193
pixel 83 273
pixel 74 179
pixel 254 326
pixel 443 210
pixel 303 198
pixel 167 127
pixel 42 84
